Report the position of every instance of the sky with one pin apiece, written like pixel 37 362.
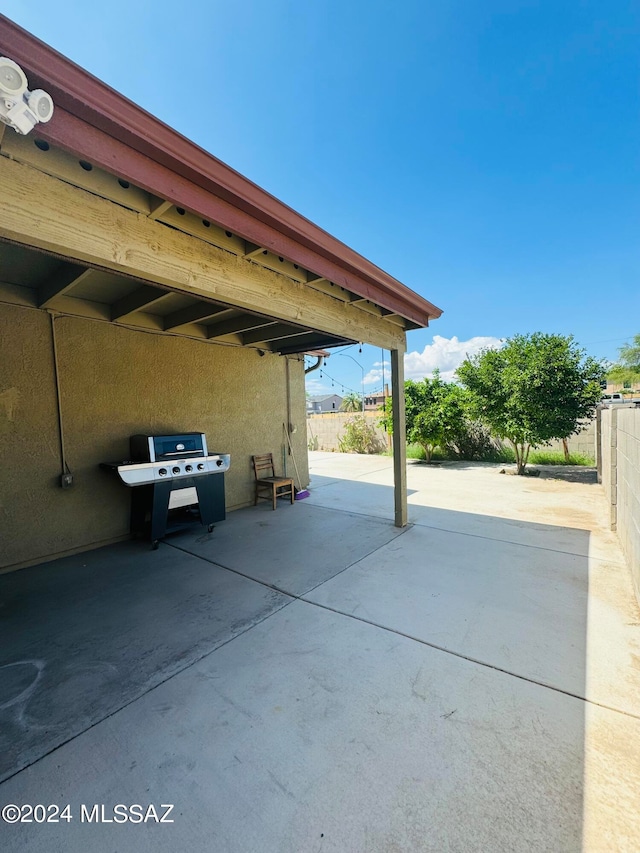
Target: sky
pixel 486 154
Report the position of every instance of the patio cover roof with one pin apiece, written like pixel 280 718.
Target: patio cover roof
pixel 102 142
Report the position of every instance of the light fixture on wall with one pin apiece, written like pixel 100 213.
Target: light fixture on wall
pixel 19 108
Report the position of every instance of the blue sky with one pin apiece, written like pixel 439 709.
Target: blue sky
pixel 485 154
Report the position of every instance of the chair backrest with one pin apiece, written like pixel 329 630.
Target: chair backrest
pixel 263 466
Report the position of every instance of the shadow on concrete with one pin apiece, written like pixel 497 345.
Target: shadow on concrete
pixel 82 636
pixel 470 632
pixel 295 548
pixel 569 473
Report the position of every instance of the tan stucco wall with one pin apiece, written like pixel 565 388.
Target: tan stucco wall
pixel 115 382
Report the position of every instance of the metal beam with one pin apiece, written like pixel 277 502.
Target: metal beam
pixel 193 314
pixel 399 438
pixel 63 279
pixel 143 297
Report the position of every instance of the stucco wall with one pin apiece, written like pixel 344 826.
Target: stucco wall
pixel 115 382
pixel 620 474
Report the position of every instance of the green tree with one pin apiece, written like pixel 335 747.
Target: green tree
pixel 351 402
pixel 535 389
pixel 627 369
pixel 434 412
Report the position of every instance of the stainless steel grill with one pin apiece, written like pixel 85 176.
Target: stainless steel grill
pixel 172 473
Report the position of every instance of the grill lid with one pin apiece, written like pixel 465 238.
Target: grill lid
pixel 156 448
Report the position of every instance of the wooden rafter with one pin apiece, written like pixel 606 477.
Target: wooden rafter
pixel 313 340
pixel 143 297
pixel 193 314
pixel 66 277
pixel 272 333
pixel 236 325
pixel 159 209
pixel 253 251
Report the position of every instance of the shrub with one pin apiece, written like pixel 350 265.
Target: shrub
pixel 359 437
pixel 474 442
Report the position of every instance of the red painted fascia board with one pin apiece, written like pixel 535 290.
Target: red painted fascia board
pixel 92 120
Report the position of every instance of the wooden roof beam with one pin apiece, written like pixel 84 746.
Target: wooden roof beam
pixel 326 286
pixel 272 333
pixel 143 297
pixel 159 209
pixel 193 314
pixel 236 325
pixel 66 277
pixel 302 343
pixel 252 251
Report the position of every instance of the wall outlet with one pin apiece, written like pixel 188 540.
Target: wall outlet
pixel 66 481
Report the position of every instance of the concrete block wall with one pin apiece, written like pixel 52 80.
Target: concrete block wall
pixel 619 468
pixel 324 431
pixel 607 461
pixel 628 488
pixel 582 442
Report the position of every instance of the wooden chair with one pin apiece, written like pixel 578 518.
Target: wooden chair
pixel 268 486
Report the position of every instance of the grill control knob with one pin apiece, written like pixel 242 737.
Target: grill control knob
pixel 218 462
pixel 188 468
pixel 175 469
pixel 162 472
pixel 200 466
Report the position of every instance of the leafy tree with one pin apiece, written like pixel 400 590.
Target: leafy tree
pixel 535 389
pixel 627 369
pixel 351 402
pixel 434 412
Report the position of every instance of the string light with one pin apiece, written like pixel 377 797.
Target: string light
pixel 333 380
pixel 325 375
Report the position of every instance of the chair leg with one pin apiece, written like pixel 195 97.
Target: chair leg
pixel 292 493
pixel 275 497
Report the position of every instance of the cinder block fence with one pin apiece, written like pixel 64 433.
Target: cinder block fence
pixel 618 459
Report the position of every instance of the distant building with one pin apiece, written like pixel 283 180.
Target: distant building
pixel 323 403
pixel 373 402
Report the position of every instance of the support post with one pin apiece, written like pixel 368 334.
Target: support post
pixel 399 438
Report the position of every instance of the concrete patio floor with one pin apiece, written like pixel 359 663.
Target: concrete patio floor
pixel 314 679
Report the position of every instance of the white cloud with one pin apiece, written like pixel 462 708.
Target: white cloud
pixel 445 354
pixel 315 387
pixel 376 374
